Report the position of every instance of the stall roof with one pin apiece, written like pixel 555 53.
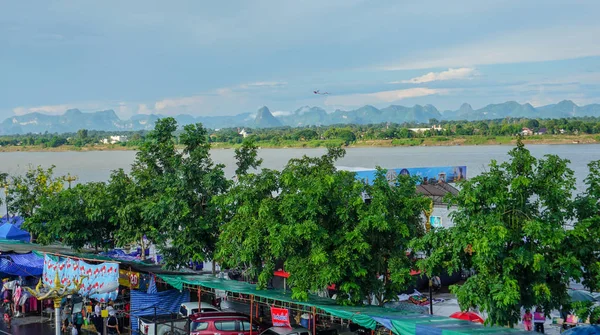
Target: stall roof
pixel 358 315
pixel 8 246
pixel 400 322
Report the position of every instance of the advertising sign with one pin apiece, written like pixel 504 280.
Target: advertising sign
pixel 129 278
pixel 280 317
pixel 431 175
pixel 435 221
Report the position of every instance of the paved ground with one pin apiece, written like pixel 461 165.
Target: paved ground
pixel 29 325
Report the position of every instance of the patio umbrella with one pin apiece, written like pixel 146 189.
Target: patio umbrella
pixel 580 295
pixel 468 316
pixel 583 330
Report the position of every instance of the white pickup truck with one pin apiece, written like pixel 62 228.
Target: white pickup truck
pixel 172 324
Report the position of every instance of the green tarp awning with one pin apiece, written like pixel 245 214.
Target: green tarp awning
pixel 359 315
pixel 399 322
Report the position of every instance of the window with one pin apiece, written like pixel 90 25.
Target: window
pixel 199 326
pixel 225 325
pixel 246 326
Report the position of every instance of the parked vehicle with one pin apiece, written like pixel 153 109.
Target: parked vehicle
pixel 297 331
pixel 191 308
pixel 222 323
pixel 286 331
pixel 173 324
pixel 163 324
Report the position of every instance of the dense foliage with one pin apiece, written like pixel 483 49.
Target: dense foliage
pixel 512 226
pixel 517 226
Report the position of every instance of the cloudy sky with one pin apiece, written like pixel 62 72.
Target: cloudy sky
pixel 229 57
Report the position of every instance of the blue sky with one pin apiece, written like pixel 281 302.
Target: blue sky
pixel 230 57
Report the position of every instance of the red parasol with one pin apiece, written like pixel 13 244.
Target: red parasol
pixel 468 316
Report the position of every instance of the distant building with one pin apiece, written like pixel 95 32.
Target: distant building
pixel 542 131
pixel 526 132
pixel 114 139
pixel 244 133
pixel 422 130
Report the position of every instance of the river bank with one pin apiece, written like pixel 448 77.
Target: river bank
pixel 407 142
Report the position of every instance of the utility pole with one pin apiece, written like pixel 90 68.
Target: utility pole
pixel 70 179
pixel 5 185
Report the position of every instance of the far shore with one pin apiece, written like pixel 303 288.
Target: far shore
pixel 409 142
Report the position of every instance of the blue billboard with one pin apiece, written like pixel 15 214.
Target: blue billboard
pixel 430 175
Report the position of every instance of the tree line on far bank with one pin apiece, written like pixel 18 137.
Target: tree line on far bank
pixel 518 226
pixel 331 135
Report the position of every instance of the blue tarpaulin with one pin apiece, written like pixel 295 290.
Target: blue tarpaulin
pixel 143 303
pixel 22 264
pixel 9 231
pixel 15 220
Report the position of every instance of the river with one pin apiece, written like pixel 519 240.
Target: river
pixel 97 165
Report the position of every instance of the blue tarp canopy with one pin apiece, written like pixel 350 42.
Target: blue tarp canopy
pixel 9 231
pixel 165 302
pixel 22 264
pixel 15 220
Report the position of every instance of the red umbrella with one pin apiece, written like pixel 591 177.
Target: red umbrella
pixel 468 316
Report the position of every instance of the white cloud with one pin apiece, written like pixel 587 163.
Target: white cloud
pixel 381 97
pixel 260 84
pixel 450 74
pixel 281 113
pixel 549 44
pixel 143 109
pixel 52 109
pixel 186 104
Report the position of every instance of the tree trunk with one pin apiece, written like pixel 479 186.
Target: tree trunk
pixel 214 267
pixel 143 249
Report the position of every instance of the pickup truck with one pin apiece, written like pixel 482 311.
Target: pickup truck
pixel 172 324
pixel 163 324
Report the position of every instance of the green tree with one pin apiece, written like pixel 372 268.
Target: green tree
pixel 510 228
pixel 388 221
pixel 82 134
pixel 190 216
pixel 248 212
pixel 129 204
pixel 169 194
pixel 584 238
pixel 77 216
pixel 246 157
pixel 26 192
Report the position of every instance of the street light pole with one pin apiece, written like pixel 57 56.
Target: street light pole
pixel 6 199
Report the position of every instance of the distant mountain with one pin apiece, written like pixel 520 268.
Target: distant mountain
pixel 563 109
pixel 264 119
pixel 73 119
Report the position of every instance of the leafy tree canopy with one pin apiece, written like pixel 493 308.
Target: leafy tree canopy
pixel 511 229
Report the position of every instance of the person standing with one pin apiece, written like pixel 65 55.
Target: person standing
pixel 78 321
pixel 527 320
pixel 112 324
pixel 538 320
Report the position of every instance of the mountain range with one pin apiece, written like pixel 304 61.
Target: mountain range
pixel 74 119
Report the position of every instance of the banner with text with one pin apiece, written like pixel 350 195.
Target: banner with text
pixel 431 175
pixel 98 281
pixel 129 279
pixel 280 317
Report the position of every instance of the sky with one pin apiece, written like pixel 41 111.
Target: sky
pixel 231 57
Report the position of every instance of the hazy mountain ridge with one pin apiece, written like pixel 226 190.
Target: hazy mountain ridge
pixel 73 119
